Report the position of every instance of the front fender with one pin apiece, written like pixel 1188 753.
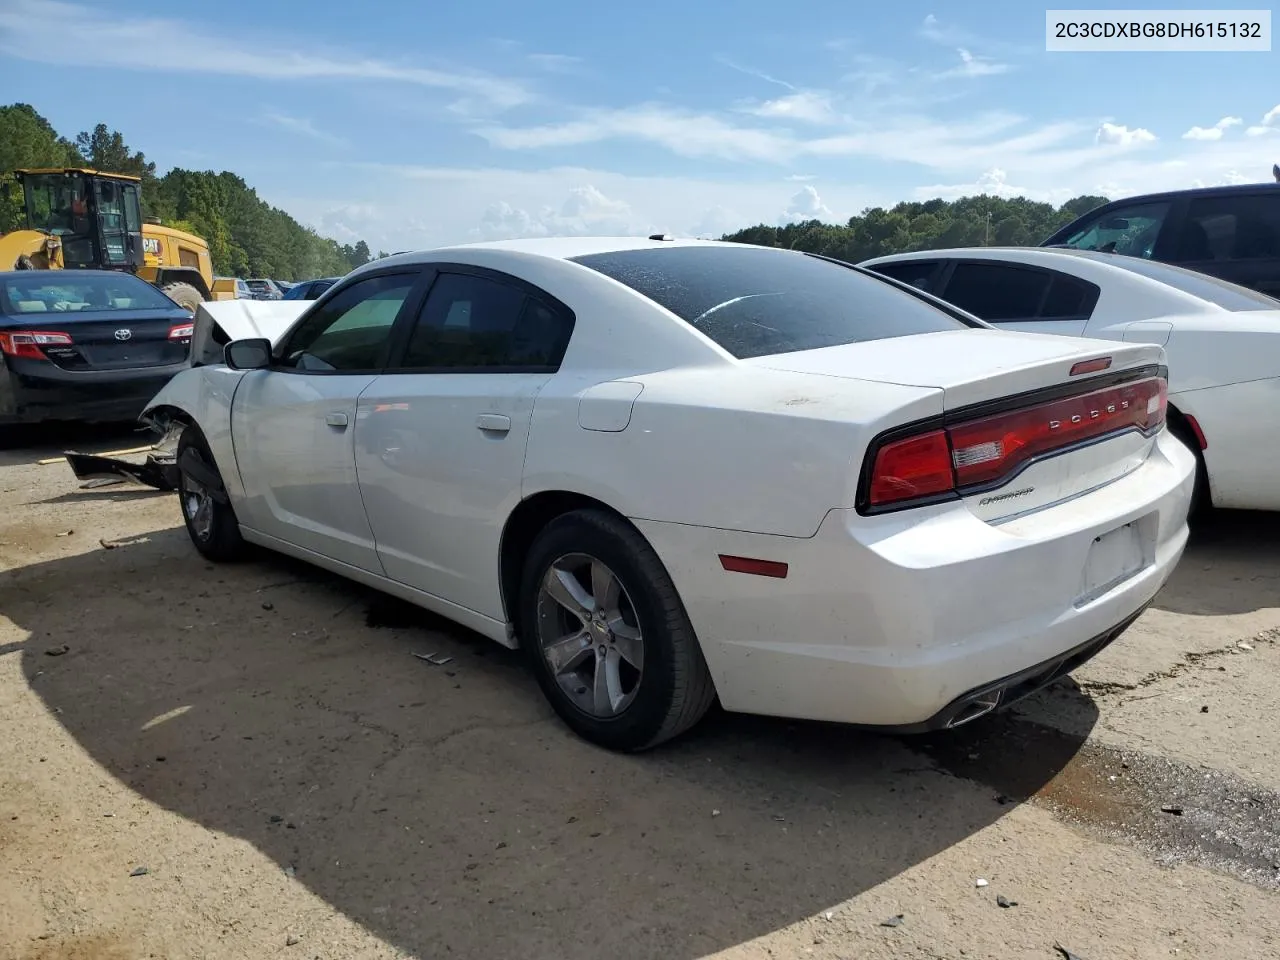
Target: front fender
pixel 203 396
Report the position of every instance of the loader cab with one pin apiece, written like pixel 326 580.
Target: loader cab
pixel 96 216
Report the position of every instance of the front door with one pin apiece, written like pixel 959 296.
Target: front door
pixel 294 424
pixel 440 438
pixel 113 235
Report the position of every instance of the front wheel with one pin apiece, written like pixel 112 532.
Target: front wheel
pixel 607 637
pixel 210 520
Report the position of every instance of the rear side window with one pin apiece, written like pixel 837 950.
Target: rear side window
pixel 1234 227
pixel 755 302
pixel 477 323
pixel 918 273
pixel 997 291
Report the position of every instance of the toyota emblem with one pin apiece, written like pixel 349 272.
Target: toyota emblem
pixel 124 334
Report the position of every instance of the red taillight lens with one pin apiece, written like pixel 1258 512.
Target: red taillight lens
pixel 29 343
pixel 986 450
pixel 915 467
pixel 182 331
pixel 982 452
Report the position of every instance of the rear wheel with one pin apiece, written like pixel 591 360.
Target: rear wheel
pixel 184 295
pixel 606 635
pixel 210 520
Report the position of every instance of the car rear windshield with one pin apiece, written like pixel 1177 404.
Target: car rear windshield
pixel 754 302
pixel 48 291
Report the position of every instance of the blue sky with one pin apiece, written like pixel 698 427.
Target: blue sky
pixel 421 124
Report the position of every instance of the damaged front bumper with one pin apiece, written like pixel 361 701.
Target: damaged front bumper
pixel 159 470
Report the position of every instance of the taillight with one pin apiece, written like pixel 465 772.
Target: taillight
pixel 29 344
pixel 983 452
pixel 182 331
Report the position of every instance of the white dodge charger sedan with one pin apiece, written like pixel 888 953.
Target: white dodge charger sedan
pixel 1222 342
pixel 676 471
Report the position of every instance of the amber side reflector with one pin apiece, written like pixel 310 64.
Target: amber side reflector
pixel 1090 366
pixel 761 568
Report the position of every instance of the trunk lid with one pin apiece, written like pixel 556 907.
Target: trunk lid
pixel 969 366
pixel 112 339
pixel 1022 432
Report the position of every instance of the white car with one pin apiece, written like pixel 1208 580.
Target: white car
pixel 1222 341
pixel 673 470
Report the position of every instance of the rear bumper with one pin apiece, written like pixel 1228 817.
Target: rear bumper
pixel 907 620
pixel 32 391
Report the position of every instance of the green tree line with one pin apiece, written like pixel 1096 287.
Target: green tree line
pixel 247 236
pixel 924 225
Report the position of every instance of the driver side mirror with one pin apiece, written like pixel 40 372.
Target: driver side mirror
pixel 252 354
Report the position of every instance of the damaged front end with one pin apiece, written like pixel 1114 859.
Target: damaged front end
pixel 158 470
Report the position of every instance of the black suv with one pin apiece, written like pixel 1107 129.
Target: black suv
pixel 1230 232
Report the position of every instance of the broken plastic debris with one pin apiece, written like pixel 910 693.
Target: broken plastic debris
pixel 292 940
pixel 828 915
pixel 1066 954
pixel 980 882
pixel 140 872
pixel 57 651
pixel 1003 901
pixel 1171 808
pixel 894 921
pixel 715 813
pixel 1245 646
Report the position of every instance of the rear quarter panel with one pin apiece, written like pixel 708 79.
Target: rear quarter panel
pixel 736 448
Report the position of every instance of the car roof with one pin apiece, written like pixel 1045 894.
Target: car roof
pixel 557 248
pixel 1225 190
pixel 1178 289
pixel 71 274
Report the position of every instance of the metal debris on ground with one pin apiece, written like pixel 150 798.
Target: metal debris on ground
pixel 434 659
pixel 894 921
pixel 57 651
pixel 140 871
pixel 1171 809
pixel 65 533
pixel 1005 902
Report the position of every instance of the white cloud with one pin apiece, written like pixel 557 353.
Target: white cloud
pixel 993 182
pixel 807 205
pixel 300 126
pixel 810 106
pixel 1122 136
pixel 1272 117
pixel 59 32
pixel 555 62
pixel 971 66
pixel 463 205
pixel 1261 131
pixel 1212 133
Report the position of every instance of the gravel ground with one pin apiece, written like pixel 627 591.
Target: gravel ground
pixel 247 761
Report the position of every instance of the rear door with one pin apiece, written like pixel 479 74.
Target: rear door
pixel 1234 236
pixel 294 424
pixel 440 438
pixel 1019 297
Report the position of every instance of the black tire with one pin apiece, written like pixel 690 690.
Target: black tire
pixel 1201 501
pixel 184 294
pixel 674 689
pixel 217 535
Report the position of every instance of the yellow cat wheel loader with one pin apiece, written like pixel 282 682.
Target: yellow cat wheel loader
pixel 85 219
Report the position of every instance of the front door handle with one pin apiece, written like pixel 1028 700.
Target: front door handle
pixel 493 423
pixel 336 419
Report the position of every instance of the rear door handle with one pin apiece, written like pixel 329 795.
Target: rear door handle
pixel 336 419
pixel 493 423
